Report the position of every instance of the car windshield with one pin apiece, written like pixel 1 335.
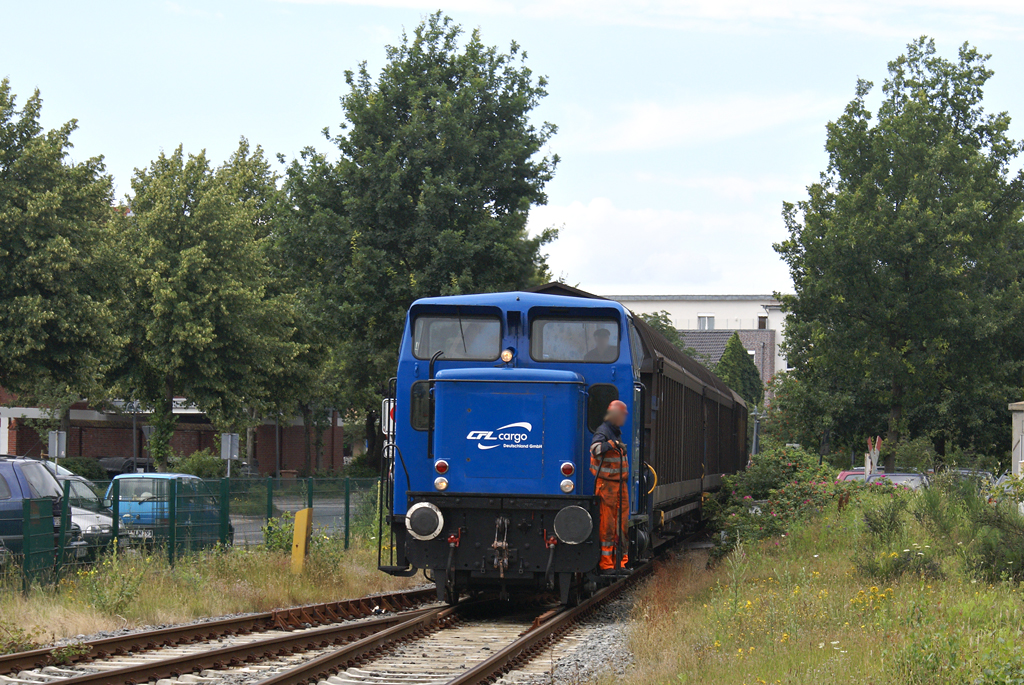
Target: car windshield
pixel 854 476
pixel 900 478
pixel 574 340
pixel 57 469
pixel 144 489
pixel 83 496
pixel 467 337
pixel 40 482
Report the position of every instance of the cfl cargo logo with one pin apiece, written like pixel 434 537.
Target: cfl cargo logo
pixel 513 435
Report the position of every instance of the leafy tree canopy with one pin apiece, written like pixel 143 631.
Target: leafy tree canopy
pixel 662 322
pixel 57 330
pixel 737 369
pixel 204 315
pixel 906 259
pixel 440 164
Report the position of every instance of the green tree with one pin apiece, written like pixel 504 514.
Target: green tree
pixel 439 167
pixel 662 322
pixel 204 316
pixel 906 258
pixel 737 369
pixel 57 327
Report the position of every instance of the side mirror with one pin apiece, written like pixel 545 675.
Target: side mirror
pixel 107 503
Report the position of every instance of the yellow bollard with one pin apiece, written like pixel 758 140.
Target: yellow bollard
pixel 300 541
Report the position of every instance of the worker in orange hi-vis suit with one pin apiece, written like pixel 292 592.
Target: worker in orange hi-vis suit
pixel 608 462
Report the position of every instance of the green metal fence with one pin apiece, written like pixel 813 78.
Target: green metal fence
pixel 177 515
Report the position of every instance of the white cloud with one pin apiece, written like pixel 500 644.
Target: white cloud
pixel 655 126
pixel 979 18
pixel 738 188
pixel 605 248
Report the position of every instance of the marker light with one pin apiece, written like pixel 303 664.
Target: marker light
pixel 566 486
pixel 568 469
pixel 441 483
pixel 506 355
pixel 441 466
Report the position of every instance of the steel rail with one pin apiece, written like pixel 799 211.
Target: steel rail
pixel 290 618
pixel 536 638
pixel 236 655
pixel 323 666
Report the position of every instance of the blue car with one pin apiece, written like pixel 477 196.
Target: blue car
pixel 144 509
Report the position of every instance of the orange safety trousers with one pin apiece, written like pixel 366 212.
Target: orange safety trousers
pixel 612 489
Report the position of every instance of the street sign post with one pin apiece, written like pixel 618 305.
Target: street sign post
pixel 58 445
pixel 229 448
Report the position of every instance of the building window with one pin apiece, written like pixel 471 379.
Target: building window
pixel 762 323
pixel 706 322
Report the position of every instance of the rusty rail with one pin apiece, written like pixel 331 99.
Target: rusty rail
pixel 313 615
pixel 349 655
pixel 537 638
pixel 236 655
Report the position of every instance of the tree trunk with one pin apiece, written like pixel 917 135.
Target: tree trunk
pixel 163 424
pixel 307 416
pixel 250 443
pixel 65 421
pixel 895 419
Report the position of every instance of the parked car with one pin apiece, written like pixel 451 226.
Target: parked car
pixel 22 479
pixel 144 509
pixel 913 481
pixel 89 512
pixel 850 475
pixel 56 469
pixel 978 477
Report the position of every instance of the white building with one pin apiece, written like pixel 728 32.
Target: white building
pixel 707 322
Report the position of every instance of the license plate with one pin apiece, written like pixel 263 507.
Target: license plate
pixel 140 534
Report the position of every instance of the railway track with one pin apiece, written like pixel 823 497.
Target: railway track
pixel 236 630
pixel 337 644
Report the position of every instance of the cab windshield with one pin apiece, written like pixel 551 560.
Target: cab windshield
pixel 574 340
pixel 476 338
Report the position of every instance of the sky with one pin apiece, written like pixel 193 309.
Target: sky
pixel 683 125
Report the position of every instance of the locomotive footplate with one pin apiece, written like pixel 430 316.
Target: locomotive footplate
pixel 508 540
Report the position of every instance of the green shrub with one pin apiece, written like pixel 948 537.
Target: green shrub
pixel 86 467
pixel 203 463
pixel 884 521
pixel 114 583
pixel 279 533
pixel 14 638
pixel 886 566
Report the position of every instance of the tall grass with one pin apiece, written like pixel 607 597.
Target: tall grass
pixel 133 589
pixel 896 587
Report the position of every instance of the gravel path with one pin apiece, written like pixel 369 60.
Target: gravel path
pixel 596 649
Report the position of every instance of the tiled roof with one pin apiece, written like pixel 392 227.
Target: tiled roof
pixel 709 345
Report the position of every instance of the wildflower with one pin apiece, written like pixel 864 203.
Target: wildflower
pixel 815 556
pixel 821 645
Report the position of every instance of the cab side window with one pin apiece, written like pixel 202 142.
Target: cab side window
pixel 600 396
pixel 5 490
pixel 419 406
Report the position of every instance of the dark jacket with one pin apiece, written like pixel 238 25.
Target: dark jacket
pixel 607 434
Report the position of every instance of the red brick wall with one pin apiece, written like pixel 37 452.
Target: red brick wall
pixel 293 449
pixel 116 441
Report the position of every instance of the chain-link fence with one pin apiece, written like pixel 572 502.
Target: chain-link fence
pixel 179 514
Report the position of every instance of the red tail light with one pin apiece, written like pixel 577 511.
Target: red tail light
pixel 568 469
pixel 441 466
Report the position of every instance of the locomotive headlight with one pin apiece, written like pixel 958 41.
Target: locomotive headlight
pixel 441 483
pixel 567 485
pixel 506 355
pixel 441 466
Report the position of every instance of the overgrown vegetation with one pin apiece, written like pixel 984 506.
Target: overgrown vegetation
pixel 827 582
pixel 135 588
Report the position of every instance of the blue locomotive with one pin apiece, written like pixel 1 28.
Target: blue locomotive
pixel 487 480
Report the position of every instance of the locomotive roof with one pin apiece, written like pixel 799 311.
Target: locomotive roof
pixel 521 300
